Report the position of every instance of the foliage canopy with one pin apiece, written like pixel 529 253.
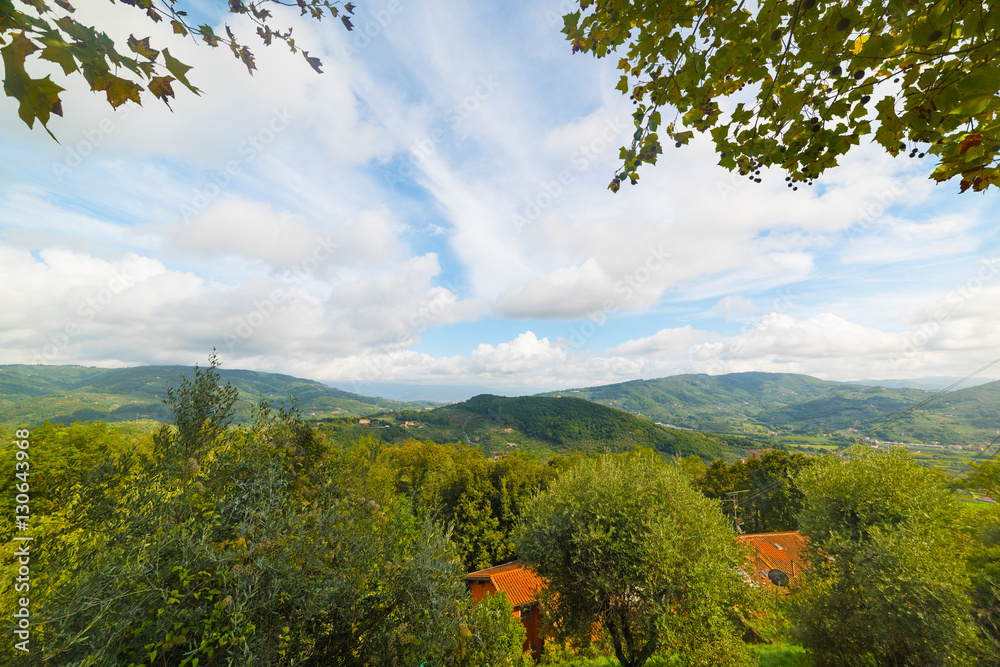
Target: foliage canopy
pixel 797 83
pixel 888 583
pixel 625 542
pixel 252 545
pixel 772 499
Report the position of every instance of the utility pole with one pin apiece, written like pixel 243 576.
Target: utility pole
pixel 736 509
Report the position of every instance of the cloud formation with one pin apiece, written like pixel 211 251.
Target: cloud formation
pixel 434 208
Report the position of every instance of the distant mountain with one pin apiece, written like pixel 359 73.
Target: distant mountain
pixel 933 383
pixel 780 403
pixel 572 424
pixel 65 394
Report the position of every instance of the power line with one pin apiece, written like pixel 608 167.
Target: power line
pixel 924 402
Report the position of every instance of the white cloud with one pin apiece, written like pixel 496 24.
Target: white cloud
pixel 283 241
pixel 735 307
pixel 525 354
pixel 666 340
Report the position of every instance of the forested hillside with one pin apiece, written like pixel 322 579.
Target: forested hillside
pixel 780 404
pixel 548 425
pixel 66 394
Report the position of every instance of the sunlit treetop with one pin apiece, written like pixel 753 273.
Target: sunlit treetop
pixel 46 30
pixel 796 83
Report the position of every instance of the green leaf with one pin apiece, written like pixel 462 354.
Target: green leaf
pixel 179 70
pixel 208 35
pixel 39 98
pixel 61 55
pixel 160 87
pixel 973 106
pixel 119 91
pixel 142 48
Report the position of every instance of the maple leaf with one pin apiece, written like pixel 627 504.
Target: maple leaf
pixel 179 70
pixel 38 98
pixel 160 87
pixel 141 47
pixel 247 57
pixel 119 91
pixel 208 35
pixel 61 55
pixel 313 62
pixel 971 141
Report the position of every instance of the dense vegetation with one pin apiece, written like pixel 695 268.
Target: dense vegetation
pixel 277 542
pixel 888 582
pixel 625 542
pixel 758 494
pixel 256 545
pixel 572 423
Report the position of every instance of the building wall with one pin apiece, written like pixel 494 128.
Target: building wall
pixel 481 589
pixel 532 622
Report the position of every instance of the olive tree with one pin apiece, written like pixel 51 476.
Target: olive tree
pixel 624 541
pixel 888 582
pixel 249 545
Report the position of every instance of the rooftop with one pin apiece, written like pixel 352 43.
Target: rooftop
pixel 519 583
pixel 776 551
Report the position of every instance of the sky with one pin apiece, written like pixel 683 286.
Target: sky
pixel 433 209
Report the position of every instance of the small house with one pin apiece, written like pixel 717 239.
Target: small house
pixel 770 552
pixel 521 586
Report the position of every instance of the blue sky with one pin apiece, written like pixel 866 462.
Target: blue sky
pixel 433 209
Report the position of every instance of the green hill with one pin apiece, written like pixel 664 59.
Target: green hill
pixel 786 404
pixel 66 394
pixel 550 425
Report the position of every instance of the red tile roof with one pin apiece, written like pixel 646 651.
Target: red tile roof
pixel 776 551
pixel 519 583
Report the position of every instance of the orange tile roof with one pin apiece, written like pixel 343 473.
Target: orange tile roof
pixel 781 551
pixel 519 583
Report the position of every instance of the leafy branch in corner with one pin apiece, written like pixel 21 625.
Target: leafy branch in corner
pixel 47 30
pixel 796 83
